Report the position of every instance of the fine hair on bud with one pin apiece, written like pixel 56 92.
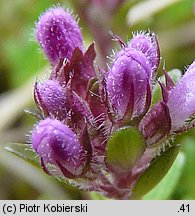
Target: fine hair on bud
pixel 50 98
pixel 58 145
pixel 147 43
pixel 181 99
pixel 128 81
pixel 58 34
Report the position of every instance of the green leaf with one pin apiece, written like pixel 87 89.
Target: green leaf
pixel 96 196
pixel 186 186
pixel 155 172
pixel 33 175
pixel 23 151
pixel 124 148
pixel 166 187
pixel 175 74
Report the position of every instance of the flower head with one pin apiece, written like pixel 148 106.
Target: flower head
pixel 58 34
pixel 96 122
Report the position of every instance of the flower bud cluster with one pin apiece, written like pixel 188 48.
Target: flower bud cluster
pixel 82 108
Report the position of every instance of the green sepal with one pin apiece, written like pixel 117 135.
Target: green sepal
pixel 124 148
pixel 96 196
pixel 155 172
pixel 162 191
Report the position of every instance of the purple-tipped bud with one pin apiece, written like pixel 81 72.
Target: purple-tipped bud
pixel 58 34
pixel 50 98
pixel 147 43
pixel 56 144
pixel 181 99
pixel 128 83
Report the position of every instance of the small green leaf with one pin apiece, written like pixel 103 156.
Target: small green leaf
pixel 23 151
pixel 175 74
pixel 96 196
pixel 32 175
pixel 155 172
pixel 166 187
pixel 124 148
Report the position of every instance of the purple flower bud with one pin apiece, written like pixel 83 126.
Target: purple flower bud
pixel 58 34
pixel 181 99
pixel 56 144
pixel 148 44
pixel 50 98
pixel 128 83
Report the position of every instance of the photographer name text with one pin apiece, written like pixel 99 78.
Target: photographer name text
pixel 46 208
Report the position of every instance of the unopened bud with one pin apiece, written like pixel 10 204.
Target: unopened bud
pixel 56 144
pixel 58 34
pixel 181 99
pixel 147 43
pixel 50 98
pixel 128 81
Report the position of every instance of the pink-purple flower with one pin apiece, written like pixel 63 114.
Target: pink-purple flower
pixel 82 106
